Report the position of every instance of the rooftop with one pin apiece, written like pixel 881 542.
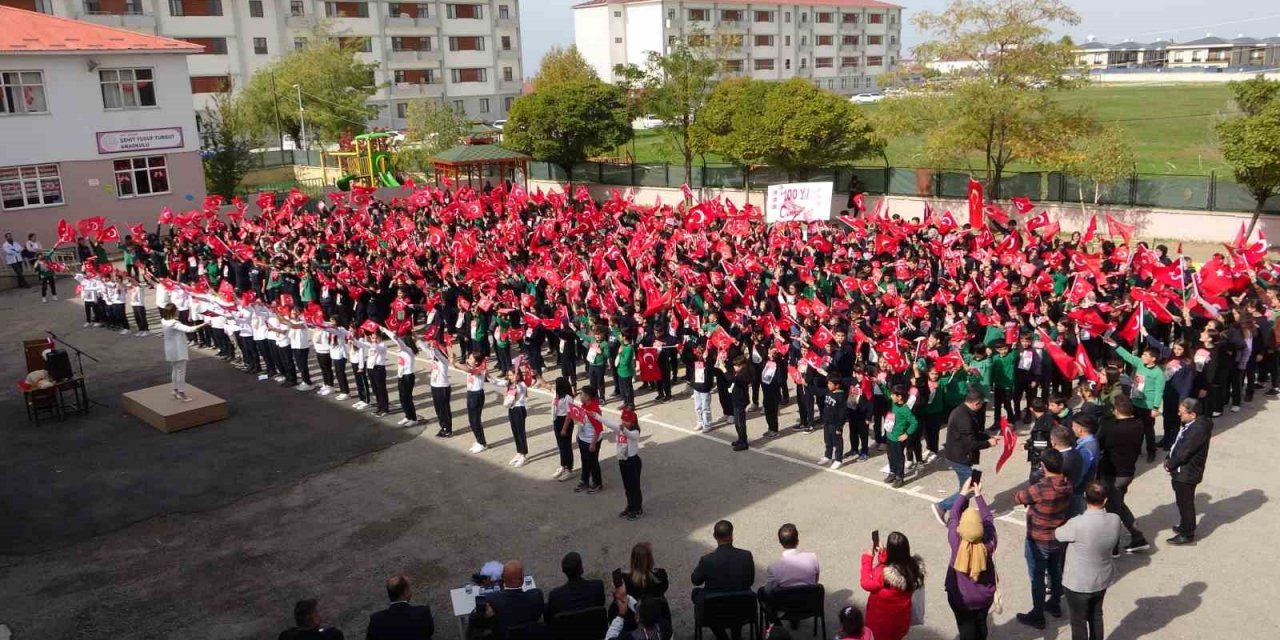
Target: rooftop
pixel 1207 41
pixel 851 4
pixel 477 153
pixel 30 32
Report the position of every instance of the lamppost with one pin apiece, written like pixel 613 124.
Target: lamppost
pixel 302 118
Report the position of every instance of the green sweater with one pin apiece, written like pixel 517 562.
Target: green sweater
pixel 984 374
pixel 904 422
pixel 1148 381
pixel 626 361
pixel 1002 370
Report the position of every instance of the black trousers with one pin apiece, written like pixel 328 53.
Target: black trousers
pixel 517 416
pixel 740 421
pixel 49 285
pixel 1184 495
pixel 326 368
pixel 627 389
pixel 564 442
pixel 118 316
pixel 340 375
pixel 301 360
pixel 1003 399
pixel 268 356
pixel 804 404
pixel 1148 428
pixel 931 425
pixel 88 311
pixel 378 381
pixel 833 441
pixel 475 406
pixel 1086 614
pixel 595 376
pixel 362 384
pixel 1116 490
pixel 139 317
pixel 284 358
pixel 772 400
pixel 971 623
pixel 249 349
pixel 630 469
pixel 440 401
pixel 569 369
pixel 859 433
pixel 897 458
pixel 590 464
pixel 406 396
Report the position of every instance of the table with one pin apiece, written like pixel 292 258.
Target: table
pixel 464 603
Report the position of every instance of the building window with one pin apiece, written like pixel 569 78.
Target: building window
pixel 408 10
pixel 466 43
pixel 849 18
pixel 804 17
pixel 764 16
pixel 671 14
pixel 464 11
pixel 764 64
pixel 404 43
pixel 824 17
pixel 733 66
pixel 875 61
pixel 875 40
pixel 484 105
pixel 127 7
pixel 787 16
pixel 506 43
pixel 876 18
pixel 402 110
pixel 764 41
pixel 210 84
pixel 893 39
pixel 507 102
pixel 299 43
pixel 469 75
pixel 31 186
pixel 849 41
pixel 617 14
pixel 255 8
pixel 786 64
pixel 823 63
pixel 702 15
pixel 617 40
pixel 893 18
pixel 137 177
pixel 212 46
pixel 508 74
pixel 504 12
pixel 825 41
pixel 460 107
pixel 297 8
pixel 849 62
pixel 733 15
pixel 127 88
pixel 804 41
pixel 260 46
pixel 195 8
pixel 22 92
pixel 804 62
pixel 414 76
pixel 786 40
pixel 346 9
pixel 360 45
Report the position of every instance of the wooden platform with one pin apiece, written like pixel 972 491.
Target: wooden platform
pixel 157 407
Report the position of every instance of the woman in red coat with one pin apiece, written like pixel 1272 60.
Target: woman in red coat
pixel 890 582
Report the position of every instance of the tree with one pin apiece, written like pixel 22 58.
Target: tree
pixel 1102 156
pixel 432 128
pixel 674 88
pixel 1252 96
pixel 226 146
pixel 564 123
pixel 335 85
pixel 791 125
pixel 563 65
pixel 1002 109
pixel 1251 145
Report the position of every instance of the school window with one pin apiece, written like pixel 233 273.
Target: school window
pixel 804 17
pixel 507 74
pixel 414 76
pixel 255 8
pixel 893 39
pixel 195 7
pixel 469 75
pixel 733 66
pixel 764 41
pixel 825 41
pixel 699 15
pixel 786 40
pixel 731 16
pixel 875 40
pixel 824 17
pixel 466 43
pixel 849 18
pixel 409 10
pixel 464 11
pixel 849 41
pixel 786 64
pixel 617 14
pixel 876 18
pixel 346 10
pixel 22 92
pixel 617 40
pixel 787 16
pixel 260 46
pixel 504 12
pixel 402 110
pixel 507 102
pixel 127 88
pixel 37 185
pixel 762 64
pixel 299 44
pixel 893 18
pixel 823 63
pixel 210 84
pixel 764 16
pixel 875 61
pixel 849 62
pixel 145 176
pixel 804 41
pixel 212 46
pixel 671 14
pixel 506 43
pixel 297 8
pixel 459 107
pixel 484 105
pixel 804 62
pixel 360 45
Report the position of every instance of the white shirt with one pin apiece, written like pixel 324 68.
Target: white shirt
pixel 320 340
pixel 338 338
pixel 175 340
pixel 475 381
pixel 516 395
pixel 162 295
pixel 560 408
pixel 440 367
pixel 12 252
pixel 135 296
pixel 299 337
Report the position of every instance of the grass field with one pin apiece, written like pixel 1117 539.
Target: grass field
pixel 1170 128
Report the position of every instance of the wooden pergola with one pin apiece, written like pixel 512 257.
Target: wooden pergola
pixel 477 161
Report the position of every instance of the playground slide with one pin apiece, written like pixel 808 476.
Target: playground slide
pixel 387 179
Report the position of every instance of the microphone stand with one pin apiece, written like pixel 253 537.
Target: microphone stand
pixel 80 355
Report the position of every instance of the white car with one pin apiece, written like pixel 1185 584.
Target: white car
pixel 867 98
pixel 499 124
pixel 646 122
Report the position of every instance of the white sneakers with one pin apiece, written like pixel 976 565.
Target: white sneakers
pixel 124 332
pixel 824 461
pixel 302 386
pixel 360 405
pixel 930 457
pixel 406 422
pixel 262 376
pixel 835 464
pixel 88 324
pixel 143 334
pixel 1235 408
pixel 325 390
pixel 477 448
pixel 517 461
pixel 559 472
pixel 44 300
pixel 340 396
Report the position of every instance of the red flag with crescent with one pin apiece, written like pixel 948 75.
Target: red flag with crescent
pixel 1009 442
pixel 649 371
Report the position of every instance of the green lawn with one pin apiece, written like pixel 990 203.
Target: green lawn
pixel 1170 127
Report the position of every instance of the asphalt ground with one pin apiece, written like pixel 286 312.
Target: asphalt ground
pixel 109 528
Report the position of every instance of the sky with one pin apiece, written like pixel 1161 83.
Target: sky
pixel 548 23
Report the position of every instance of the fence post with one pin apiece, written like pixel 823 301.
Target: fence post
pixel 666 173
pixel 1133 188
pixel 599 173
pixel 888 175
pixel 1213 190
pixel 633 173
pixel 704 173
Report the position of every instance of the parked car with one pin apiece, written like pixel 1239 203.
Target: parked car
pixel 646 122
pixel 867 98
pixel 499 124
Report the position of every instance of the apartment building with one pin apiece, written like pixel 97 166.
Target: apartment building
pixel 465 53
pixel 841 45
pixel 1209 52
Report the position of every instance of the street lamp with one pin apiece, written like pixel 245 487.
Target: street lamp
pixel 302 118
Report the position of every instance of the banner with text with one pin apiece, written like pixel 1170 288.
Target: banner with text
pixel 798 202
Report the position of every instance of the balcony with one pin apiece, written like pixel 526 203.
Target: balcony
pixel 128 19
pixel 432 89
pixel 510 86
pixel 507 23
pixel 407 24
pixel 299 22
pixel 395 57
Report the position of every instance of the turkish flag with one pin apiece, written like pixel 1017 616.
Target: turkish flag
pixel 1129 332
pixel 649 371
pixel 948 363
pixel 1065 363
pixel 1009 442
pixel 1090 231
pixel 89 227
pixel 720 339
pixel 65 232
pixel 1115 227
pixel 138 231
pixel 1023 205
pixel 1037 222
pixel 821 338
pixel 1084 365
pixel 975 203
pixel 577 413
pixel 109 234
pixel 227 291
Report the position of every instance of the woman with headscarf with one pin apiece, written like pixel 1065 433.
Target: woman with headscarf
pixel 971 574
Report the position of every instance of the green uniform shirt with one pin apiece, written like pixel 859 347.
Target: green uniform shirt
pixel 904 421
pixel 984 374
pixel 1148 382
pixel 626 361
pixel 1002 370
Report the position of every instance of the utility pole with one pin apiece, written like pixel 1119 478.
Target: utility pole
pixel 275 107
pixel 302 118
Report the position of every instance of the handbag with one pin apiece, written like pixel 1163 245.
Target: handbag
pixel 917 606
pixel 997 600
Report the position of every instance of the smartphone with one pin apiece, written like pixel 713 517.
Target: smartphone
pixel 976 478
pixel 875 539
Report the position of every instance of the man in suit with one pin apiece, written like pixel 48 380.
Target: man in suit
pixel 576 593
pixel 1185 464
pixel 1089 568
pixel 400 620
pixel 513 607
pixel 306 618
pixel 725 570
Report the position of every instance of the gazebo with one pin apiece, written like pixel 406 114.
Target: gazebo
pixel 477 160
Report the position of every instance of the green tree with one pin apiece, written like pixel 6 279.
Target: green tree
pixel 791 125
pixel 674 88
pixel 1251 145
pixel 1003 108
pixel 433 128
pixel 563 65
pixel 1252 96
pixel 1099 157
pixel 226 146
pixel 335 85
pixel 565 123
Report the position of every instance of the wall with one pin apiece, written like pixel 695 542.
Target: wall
pixel 644 29
pixel 1173 225
pixel 592 37
pixel 1170 77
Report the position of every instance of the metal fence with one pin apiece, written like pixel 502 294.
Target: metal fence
pixel 269 158
pixel 1159 191
pixel 315 188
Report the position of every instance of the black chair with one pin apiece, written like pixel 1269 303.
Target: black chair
pixel 580 624
pixel 795 604
pixel 727 610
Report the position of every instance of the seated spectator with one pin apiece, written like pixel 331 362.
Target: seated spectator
pixel 795 568
pixel 649 614
pixel 400 620
pixel 852 625
pixel 642 581
pixel 513 607
pixel 725 570
pixel 306 620
pixel 576 593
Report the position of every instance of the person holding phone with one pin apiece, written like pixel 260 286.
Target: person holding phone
pixel 971 574
pixel 891 576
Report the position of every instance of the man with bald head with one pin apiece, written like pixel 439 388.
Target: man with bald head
pixel 513 607
pixel 401 620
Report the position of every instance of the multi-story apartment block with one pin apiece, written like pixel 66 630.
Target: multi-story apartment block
pixel 465 53
pixel 1241 52
pixel 841 45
